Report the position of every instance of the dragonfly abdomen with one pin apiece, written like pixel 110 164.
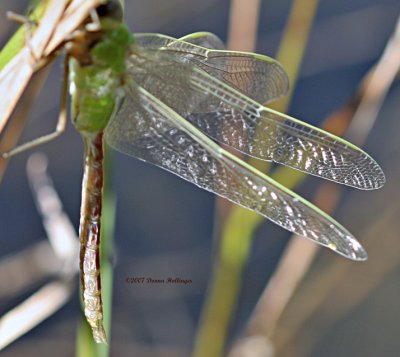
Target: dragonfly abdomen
pixel 89 233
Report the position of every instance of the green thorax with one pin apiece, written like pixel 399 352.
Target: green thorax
pixel 96 82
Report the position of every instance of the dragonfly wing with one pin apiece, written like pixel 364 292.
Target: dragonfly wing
pixel 257 76
pixel 234 119
pixel 146 128
pixel 204 39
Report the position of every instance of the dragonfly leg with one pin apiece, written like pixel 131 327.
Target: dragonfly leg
pixel 61 122
pixel 95 24
pixel 22 19
pixel 29 24
pixel 92 26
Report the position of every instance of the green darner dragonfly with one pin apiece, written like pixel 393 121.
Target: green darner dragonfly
pixel 163 100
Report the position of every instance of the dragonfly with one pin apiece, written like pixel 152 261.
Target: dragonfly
pixel 169 102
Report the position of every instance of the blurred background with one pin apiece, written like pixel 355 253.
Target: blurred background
pixel 165 226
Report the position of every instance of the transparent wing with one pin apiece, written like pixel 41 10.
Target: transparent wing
pixel 257 76
pixel 234 119
pixel 204 39
pixel 146 128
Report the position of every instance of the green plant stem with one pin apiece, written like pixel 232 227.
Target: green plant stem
pixel 237 232
pixel 225 284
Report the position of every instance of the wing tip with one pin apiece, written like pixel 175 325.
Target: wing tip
pixel 372 178
pixel 353 250
pixel 380 178
pixel 284 79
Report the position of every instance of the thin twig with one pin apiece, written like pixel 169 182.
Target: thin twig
pixel 243 23
pixel 377 86
pixel 64 243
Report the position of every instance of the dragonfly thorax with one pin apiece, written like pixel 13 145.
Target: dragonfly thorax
pixel 97 69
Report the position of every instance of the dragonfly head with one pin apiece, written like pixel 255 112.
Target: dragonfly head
pixel 111 9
